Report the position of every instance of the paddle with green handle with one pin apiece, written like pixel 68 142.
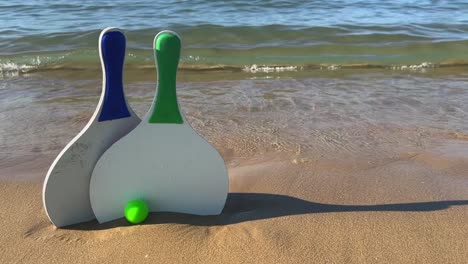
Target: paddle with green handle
pixel 163 161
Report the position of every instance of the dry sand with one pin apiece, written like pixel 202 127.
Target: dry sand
pixel 282 208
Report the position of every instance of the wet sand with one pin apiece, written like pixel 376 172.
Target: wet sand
pixel 370 175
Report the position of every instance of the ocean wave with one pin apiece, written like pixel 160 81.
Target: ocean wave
pixel 256 55
pixel 254 68
pixel 11 69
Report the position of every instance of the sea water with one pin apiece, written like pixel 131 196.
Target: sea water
pixel 245 35
pixel 255 76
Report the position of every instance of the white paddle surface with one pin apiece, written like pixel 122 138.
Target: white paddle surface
pixel 66 186
pixel 169 166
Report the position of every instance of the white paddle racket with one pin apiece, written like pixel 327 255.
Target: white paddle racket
pixel 163 161
pixel 66 186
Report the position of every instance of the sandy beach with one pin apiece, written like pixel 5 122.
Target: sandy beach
pixel 389 203
pixel 343 126
pixel 343 167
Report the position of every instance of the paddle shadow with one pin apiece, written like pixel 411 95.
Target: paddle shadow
pixel 244 207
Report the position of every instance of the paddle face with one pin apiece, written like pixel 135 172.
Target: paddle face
pixel 163 161
pixel 66 187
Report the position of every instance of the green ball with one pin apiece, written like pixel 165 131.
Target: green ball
pixel 136 211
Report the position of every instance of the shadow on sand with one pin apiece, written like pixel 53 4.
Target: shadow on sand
pixel 244 207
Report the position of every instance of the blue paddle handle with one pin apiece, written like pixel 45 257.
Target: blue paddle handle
pixel 113 55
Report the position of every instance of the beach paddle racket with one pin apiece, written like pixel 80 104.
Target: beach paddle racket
pixel 163 161
pixel 66 186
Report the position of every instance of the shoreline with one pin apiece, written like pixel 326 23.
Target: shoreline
pixel 367 168
pixel 219 72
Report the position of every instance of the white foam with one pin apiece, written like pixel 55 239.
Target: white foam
pixel 194 58
pixel 415 67
pixel 11 69
pixel 254 68
pixel 331 67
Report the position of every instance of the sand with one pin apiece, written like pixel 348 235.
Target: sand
pixel 282 208
pixel 370 169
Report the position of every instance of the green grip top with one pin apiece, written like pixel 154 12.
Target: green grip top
pixel 167 53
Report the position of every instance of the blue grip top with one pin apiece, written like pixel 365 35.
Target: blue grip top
pixel 113 55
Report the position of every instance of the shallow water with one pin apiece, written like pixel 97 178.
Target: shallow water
pixel 43 36
pixel 326 115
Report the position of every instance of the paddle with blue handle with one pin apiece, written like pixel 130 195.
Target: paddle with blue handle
pixel 66 186
pixel 163 161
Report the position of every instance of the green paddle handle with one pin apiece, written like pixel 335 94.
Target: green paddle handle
pixel 167 54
